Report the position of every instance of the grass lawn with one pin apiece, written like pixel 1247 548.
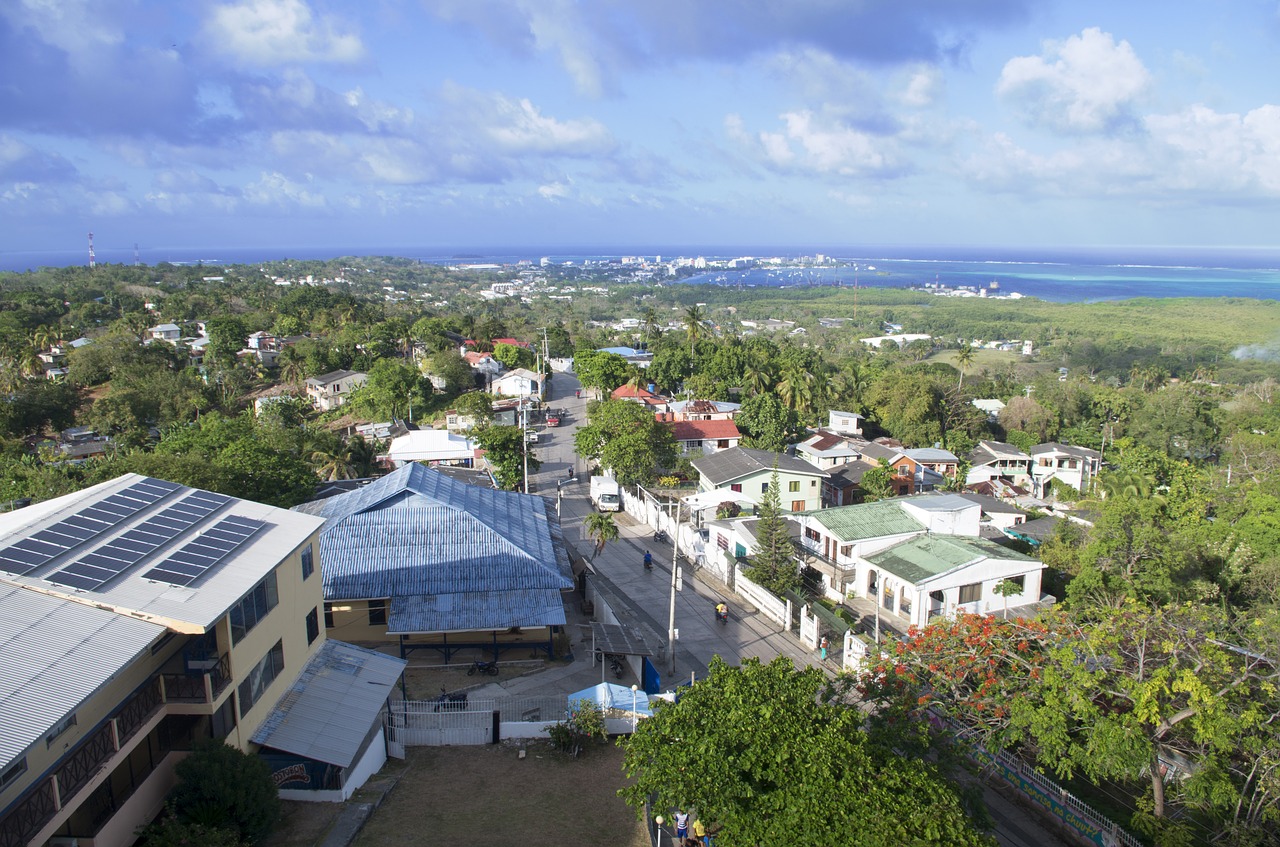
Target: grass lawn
pixel 487 795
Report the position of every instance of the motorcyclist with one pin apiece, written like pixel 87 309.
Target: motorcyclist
pixel 722 611
pixel 648 560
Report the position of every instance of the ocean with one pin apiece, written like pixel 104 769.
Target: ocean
pixel 1056 274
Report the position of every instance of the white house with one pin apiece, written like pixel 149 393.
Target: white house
pixel 1074 466
pixel 431 447
pixel 992 460
pixel 931 576
pixel 705 437
pixel 844 423
pixel 826 449
pixel 517 383
pixel 330 390
pixel 165 332
pixel 749 472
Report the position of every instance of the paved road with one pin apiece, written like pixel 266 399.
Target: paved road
pixel 748 634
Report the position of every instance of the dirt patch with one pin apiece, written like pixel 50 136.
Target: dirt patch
pixel 302 824
pixel 488 795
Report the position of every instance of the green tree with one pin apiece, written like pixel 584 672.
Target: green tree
pixel 393 389
pixel 218 786
pixel 504 449
pixel 755 749
pixel 766 422
pixel 172 831
pixel 477 405
pixel 511 356
pixel 449 366
pixel 964 358
pixel 600 527
pixel 602 371
pixel 694 319
pixel 773 563
pixel 877 483
pixel 226 338
pixel 626 438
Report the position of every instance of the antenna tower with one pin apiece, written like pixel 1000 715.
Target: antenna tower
pixel 93 262
pixel 136 260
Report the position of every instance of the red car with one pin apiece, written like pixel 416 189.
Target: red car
pixel 553 419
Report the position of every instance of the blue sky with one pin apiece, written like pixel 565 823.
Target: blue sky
pixel 638 122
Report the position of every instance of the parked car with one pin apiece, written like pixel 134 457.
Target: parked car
pixel 553 419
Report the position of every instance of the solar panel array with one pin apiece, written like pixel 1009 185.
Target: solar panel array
pixel 197 557
pixel 40 548
pixel 96 569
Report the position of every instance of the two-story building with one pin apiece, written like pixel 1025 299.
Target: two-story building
pixel 170 333
pixel 1068 464
pixel 332 389
pixel 139 615
pixel 995 460
pixel 747 473
pixel 825 449
pixel 702 410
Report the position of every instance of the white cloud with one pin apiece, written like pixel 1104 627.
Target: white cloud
pixel 1084 84
pixel 275 189
pixel 277 32
pixel 518 127
pixel 1213 151
pixel 554 191
pixel 923 88
pixel 75 26
pixel 819 143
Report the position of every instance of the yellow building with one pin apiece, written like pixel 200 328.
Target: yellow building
pixel 137 616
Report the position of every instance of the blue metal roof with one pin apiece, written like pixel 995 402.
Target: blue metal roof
pixel 429 542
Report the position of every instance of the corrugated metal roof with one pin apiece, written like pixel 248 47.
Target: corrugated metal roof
pixel 190 610
pixel 416 532
pixel 867 520
pixel 330 707
pixel 475 610
pixel 55 653
pixel 918 559
pixel 737 462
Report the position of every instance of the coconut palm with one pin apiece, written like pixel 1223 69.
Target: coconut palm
pixel 652 326
pixel 693 318
pixel 600 527
pixel 964 358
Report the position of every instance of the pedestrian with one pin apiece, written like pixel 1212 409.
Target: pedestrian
pixel 682 825
pixel 823 645
pixel 700 834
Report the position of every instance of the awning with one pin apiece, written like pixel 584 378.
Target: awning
pixel 332 705
pixel 608 695
pixel 618 639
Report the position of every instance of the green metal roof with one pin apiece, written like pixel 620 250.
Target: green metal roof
pixel 867 520
pixel 925 556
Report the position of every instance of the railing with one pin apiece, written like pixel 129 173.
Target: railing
pixel 191 688
pixel 40 804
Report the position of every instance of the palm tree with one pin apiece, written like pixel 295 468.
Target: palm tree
pixel 363 456
pixel 332 463
pixel 964 358
pixel 693 318
pixel 652 326
pixel 600 527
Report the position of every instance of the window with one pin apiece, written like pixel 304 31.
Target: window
pixel 1020 580
pixel 328 616
pixel 308 563
pixel 846 550
pixel 812 534
pixel 261 677
pixel 971 593
pixel 246 614
pixel 64 725
pixel 12 772
pixel 313 626
pixel 377 613
pixel 813 483
pixel 797 505
pixel 764 488
pixel 793 485
pixel 737 486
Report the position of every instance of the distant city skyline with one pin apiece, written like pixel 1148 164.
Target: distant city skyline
pixel 477 123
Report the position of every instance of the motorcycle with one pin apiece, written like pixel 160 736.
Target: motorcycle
pixel 615 664
pixel 648 561
pixel 490 668
pixel 722 615
pixel 447 702
pixel 660 537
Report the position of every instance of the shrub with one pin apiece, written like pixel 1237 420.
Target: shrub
pixel 222 788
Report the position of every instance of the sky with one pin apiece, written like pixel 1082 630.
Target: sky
pixel 626 123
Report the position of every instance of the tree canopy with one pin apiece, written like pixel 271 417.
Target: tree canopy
pixel 754 750
pixel 626 438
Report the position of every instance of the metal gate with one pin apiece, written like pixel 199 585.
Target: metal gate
pixel 428 723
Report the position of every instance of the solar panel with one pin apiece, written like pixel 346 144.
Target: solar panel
pixel 202 554
pixel 92 571
pixel 44 546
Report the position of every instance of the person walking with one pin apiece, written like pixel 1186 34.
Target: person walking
pixel 682 825
pixel 823 645
pixel 700 833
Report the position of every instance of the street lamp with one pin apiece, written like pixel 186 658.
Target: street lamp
pixel 659 821
pixel 635 719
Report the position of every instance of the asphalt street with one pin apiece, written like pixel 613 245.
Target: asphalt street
pixel 748 634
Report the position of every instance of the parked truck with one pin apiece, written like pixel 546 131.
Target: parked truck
pixel 606 494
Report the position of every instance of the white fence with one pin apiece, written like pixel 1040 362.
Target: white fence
pixel 432 723
pixel 771 606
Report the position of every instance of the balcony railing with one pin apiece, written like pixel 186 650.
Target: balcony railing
pixel 44 799
pixel 198 687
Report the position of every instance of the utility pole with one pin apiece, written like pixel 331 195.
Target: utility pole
pixel 675 570
pixel 524 439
